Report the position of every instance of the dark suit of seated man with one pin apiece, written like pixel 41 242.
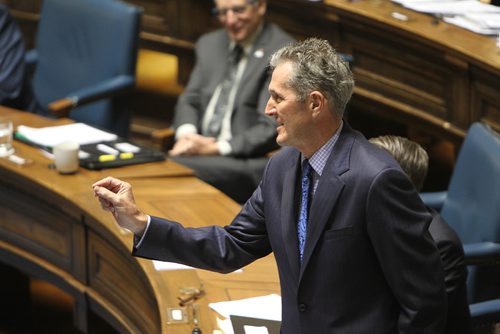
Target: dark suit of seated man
pixel 414 162
pixel 15 88
pixel 222 134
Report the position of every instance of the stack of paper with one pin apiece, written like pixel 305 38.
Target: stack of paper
pixel 53 135
pixel 481 23
pixel 473 15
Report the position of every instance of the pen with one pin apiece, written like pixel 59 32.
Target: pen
pixel 399 16
pixel 112 157
pixel 107 149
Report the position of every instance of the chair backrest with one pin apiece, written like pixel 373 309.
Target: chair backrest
pixel 81 43
pixel 472 206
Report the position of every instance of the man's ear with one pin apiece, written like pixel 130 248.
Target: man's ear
pixel 316 102
pixel 262 7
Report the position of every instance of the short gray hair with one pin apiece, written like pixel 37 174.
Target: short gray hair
pixel 317 66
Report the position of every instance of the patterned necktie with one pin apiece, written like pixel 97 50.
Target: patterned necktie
pixel 304 206
pixel 226 86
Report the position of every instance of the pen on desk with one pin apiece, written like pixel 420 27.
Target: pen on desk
pixel 112 157
pixel 19 160
pixel 107 149
pixel 127 155
pixel 399 16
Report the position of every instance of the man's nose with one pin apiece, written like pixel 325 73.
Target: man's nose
pixel 270 110
pixel 231 17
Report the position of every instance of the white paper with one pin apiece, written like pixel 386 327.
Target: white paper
pixel 53 135
pixel 405 2
pixel 162 265
pixel 451 8
pixel 470 25
pixel 255 330
pixel 485 20
pixel 262 307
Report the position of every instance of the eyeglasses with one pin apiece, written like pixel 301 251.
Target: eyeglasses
pixel 221 13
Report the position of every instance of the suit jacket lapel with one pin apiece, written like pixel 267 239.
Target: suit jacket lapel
pixel 221 63
pixel 329 189
pixel 259 53
pixel 288 218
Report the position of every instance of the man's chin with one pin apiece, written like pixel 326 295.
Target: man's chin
pixel 237 37
pixel 281 141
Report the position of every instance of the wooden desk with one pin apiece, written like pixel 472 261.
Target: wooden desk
pixel 52 227
pixel 422 73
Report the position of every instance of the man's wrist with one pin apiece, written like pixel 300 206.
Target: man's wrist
pixel 184 130
pixel 140 237
pixel 141 227
pixel 224 147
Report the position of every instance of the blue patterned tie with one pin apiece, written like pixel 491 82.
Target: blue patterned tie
pixel 304 206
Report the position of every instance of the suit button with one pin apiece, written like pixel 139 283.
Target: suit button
pixel 302 307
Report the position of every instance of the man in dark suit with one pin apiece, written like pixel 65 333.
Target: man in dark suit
pixel 15 87
pixel 414 161
pixel 348 230
pixel 233 156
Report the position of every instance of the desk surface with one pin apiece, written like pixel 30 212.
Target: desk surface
pixel 52 227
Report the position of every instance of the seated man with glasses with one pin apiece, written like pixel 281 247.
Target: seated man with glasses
pixel 222 132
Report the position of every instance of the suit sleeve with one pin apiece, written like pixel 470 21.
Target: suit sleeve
pixel 398 228
pixel 215 248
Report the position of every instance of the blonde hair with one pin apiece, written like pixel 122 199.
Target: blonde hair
pixel 412 157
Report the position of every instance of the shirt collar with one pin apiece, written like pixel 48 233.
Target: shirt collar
pixel 320 157
pixel 248 44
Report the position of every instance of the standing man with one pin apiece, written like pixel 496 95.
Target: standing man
pixel 221 130
pixel 346 226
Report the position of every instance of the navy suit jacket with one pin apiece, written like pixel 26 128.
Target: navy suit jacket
pixel 370 264
pixel 253 133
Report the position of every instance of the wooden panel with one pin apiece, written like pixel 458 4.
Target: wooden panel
pixel 40 227
pixel 304 19
pixel 485 102
pixel 407 78
pixel 114 278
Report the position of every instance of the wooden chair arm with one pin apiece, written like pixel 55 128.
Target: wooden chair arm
pixel 163 139
pixel 61 108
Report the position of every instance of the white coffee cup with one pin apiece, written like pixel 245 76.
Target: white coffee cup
pixel 66 157
pixel 6 137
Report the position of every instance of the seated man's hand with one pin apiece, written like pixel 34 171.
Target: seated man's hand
pixel 195 144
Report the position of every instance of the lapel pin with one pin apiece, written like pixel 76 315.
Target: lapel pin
pixel 259 53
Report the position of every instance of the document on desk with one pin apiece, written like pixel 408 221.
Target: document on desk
pixel 53 135
pixel 448 8
pixel 262 307
pixel 470 22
